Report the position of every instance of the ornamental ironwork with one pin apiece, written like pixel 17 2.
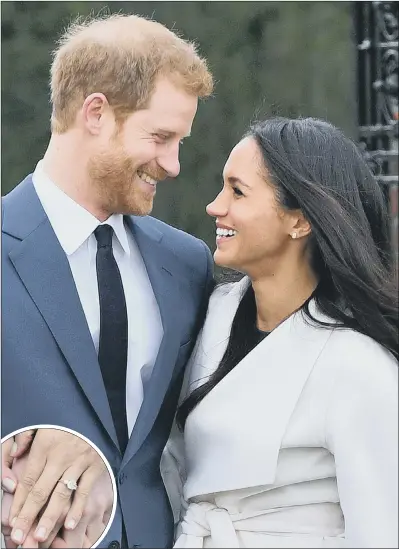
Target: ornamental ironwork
pixel 376 27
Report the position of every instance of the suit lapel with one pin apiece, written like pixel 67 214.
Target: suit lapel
pixel 161 272
pixel 262 390
pixel 44 270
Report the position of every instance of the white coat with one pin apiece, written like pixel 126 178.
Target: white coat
pixel 296 447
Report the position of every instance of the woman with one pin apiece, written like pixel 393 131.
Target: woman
pixel 290 408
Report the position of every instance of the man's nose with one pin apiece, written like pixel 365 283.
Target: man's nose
pixel 170 163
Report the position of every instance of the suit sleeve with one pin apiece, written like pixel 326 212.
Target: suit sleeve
pixel 362 434
pixel 173 463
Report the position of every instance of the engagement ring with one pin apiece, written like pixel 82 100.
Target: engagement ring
pixel 71 484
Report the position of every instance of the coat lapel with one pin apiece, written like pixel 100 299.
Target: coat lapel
pixel 262 390
pixel 43 267
pixel 161 271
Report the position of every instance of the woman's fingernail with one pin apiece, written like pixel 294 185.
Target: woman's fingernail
pixel 8 484
pixel 17 535
pixel 70 525
pixel 14 449
pixel 41 533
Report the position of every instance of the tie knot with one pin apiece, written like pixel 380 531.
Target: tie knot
pixel 103 234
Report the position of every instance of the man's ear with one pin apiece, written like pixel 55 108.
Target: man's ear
pixel 95 111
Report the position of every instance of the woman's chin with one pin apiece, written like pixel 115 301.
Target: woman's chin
pixel 222 260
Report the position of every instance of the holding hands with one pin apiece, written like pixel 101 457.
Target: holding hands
pixel 63 495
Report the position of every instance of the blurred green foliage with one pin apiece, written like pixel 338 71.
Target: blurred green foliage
pixel 287 58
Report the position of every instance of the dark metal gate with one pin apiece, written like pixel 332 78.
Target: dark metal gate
pixel 376 26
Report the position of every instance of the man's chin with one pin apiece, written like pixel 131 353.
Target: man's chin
pixel 140 210
pixel 144 209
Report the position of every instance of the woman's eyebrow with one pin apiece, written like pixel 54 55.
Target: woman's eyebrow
pixel 236 180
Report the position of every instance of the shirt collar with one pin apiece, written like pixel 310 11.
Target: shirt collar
pixel 72 223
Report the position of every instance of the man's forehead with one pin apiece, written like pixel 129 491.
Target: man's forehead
pixel 172 121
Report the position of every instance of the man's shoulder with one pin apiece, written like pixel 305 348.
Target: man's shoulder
pixel 21 209
pixel 170 231
pixel 17 194
pixel 190 253
pixel 176 240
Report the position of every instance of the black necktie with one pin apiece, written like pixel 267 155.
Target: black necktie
pixel 112 353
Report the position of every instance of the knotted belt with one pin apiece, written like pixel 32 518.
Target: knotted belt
pixel 205 519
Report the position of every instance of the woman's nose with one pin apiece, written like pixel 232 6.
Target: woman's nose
pixel 217 208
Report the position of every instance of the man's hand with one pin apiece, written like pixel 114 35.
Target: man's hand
pixel 10 449
pixel 94 520
pixel 30 542
pixel 54 455
pixel 17 470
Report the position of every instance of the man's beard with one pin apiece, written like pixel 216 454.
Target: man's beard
pixel 112 175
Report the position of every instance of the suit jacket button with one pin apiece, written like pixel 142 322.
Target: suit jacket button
pixel 122 477
pixel 114 545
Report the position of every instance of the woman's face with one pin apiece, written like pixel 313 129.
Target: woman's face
pixel 259 231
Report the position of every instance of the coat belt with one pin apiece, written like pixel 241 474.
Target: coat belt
pixel 205 519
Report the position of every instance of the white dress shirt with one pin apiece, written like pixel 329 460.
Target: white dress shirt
pixel 74 227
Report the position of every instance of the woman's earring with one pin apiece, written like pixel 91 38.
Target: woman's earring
pixel 293 235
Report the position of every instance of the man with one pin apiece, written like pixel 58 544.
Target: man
pixel 101 303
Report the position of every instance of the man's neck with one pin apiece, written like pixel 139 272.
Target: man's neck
pixel 65 164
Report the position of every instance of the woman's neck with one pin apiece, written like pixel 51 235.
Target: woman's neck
pixel 277 297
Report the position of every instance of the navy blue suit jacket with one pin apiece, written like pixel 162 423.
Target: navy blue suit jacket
pixel 50 370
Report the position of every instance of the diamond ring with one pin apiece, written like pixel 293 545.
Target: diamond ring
pixel 70 484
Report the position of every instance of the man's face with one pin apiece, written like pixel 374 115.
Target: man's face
pixel 125 172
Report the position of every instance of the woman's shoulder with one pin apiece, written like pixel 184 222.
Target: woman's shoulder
pixel 351 342
pixel 347 348
pixel 362 396
pixel 357 359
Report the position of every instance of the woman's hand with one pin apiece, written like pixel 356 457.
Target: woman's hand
pixel 10 449
pixel 55 455
pixel 94 520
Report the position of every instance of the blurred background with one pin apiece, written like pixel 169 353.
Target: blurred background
pixel 286 58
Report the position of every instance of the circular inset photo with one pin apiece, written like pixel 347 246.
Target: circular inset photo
pixel 58 489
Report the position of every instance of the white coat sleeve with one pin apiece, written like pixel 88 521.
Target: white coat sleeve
pixel 362 434
pixel 173 466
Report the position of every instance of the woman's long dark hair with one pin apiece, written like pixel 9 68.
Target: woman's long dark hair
pixel 316 169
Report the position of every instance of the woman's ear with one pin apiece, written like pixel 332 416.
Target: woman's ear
pixel 300 226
